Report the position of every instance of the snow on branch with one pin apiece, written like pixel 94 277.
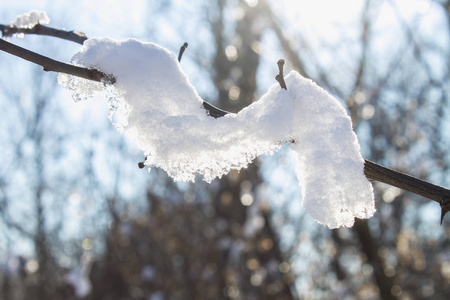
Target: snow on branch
pixel 158 108
pixel 32 23
pixel 162 113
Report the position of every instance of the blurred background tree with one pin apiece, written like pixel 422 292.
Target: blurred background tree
pixel 80 220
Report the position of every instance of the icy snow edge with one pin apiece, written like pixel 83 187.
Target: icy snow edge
pixel 163 114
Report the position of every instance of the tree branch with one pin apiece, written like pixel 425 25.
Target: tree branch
pixel 409 183
pixel 372 170
pixel 280 76
pixel 404 181
pixel 56 66
pixel 74 36
pixel 182 49
pixel 376 172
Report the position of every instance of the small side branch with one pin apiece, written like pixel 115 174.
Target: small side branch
pixel 73 36
pixel 141 164
pixel 56 66
pixel 182 49
pixel 280 76
pixel 405 182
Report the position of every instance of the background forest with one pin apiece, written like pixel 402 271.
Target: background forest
pixel 80 220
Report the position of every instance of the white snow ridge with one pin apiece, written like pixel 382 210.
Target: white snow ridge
pixel 163 114
pixel 29 19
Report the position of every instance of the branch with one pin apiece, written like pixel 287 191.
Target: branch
pixel 280 76
pixel 409 183
pixel 56 66
pixel 74 36
pixel 375 171
pixel 372 170
pixel 182 49
pixel 381 173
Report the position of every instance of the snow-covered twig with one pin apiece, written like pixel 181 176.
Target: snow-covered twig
pixel 376 172
pixel 372 170
pixel 74 36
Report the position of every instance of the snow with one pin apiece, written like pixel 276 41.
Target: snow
pixel 158 109
pixel 29 19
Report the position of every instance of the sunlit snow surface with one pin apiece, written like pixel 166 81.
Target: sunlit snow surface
pixel 31 18
pixel 162 113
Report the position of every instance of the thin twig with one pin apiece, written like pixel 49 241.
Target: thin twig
pixel 141 164
pixel 74 36
pixel 280 76
pixel 405 182
pixel 182 49
pixel 56 66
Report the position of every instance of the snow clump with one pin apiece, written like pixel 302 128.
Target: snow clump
pixel 163 114
pixel 30 19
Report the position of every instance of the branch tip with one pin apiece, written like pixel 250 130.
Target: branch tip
pixel 280 64
pixel 182 49
pixel 280 76
pixel 141 164
pixel 39 29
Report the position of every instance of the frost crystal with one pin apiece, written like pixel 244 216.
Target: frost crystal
pixel 28 20
pixel 165 118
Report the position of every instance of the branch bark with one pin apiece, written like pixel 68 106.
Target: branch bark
pixel 73 36
pixel 56 66
pixel 372 170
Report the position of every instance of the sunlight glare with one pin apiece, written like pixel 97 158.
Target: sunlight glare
pixel 408 7
pixel 319 18
pixel 323 11
pixel 252 3
pixel 326 17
